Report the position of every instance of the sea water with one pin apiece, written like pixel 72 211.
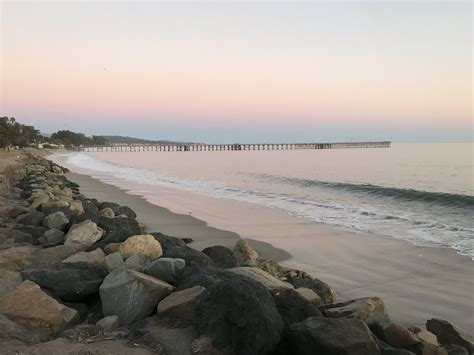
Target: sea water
pixel 422 193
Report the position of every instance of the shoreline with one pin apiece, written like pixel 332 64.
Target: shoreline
pixel 415 282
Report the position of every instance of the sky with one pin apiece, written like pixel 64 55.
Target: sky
pixel 241 71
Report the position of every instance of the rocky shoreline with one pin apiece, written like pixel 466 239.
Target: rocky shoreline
pixel 85 276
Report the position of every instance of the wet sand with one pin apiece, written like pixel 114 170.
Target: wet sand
pixel 416 283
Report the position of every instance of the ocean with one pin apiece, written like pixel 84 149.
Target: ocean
pixel 422 193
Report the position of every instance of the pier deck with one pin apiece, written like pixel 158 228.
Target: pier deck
pixel 193 147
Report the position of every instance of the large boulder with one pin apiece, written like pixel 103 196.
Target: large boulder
pixel 167 241
pixel 180 304
pixel 144 244
pixel 367 309
pixel 330 337
pixel 191 256
pixel 301 279
pixel 165 269
pixel 244 252
pixel 239 315
pixel 33 308
pixel 81 236
pixel 68 281
pixel 131 295
pixel 90 213
pixel 222 256
pixel 448 333
pixel 57 220
pixel 118 229
pixel 33 218
pixel 51 238
pixel 267 280
pixel 15 258
pixel 293 307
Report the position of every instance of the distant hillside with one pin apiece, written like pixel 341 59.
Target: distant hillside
pixel 132 140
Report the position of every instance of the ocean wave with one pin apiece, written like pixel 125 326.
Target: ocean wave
pixel 438 198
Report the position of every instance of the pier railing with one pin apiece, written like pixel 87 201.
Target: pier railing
pixel 194 147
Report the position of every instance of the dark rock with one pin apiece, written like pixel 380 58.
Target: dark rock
pixel 117 230
pixel 239 314
pixel 190 256
pixel 201 276
pixel 108 324
pixel 33 218
pixel 68 281
pixel 50 208
pixel 330 337
pixel 301 279
pixel 36 232
pixel 167 242
pixel 11 330
pixel 165 269
pixel 448 333
pixel 112 205
pixel 131 295
pixel 222 256
pixel 125 210
pixel 90 212
pixel 386 349
pixel 294 308
pixel 22 237
pixel 51 238
pixel 187 240
pixel 81 308
pixel 454 349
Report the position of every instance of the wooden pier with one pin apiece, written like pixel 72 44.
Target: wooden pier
pixel 194 147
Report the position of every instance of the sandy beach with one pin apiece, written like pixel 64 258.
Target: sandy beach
pixel 416 283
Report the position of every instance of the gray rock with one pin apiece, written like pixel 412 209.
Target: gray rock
pixel 94 257
pixel 113 261
pixel 56 220
pixel 367 309
pixel 267 280
pixel 83 235
pixel 22 237
pixel 8 281
pixel 131 295
pixel 448 333
pixel 165 269
pixel 108 324
pixel 137 262
pixel 51 238
pixel 454 349
pixel 33 218
pixel 331 337
pixel 51 255
pixel 180 304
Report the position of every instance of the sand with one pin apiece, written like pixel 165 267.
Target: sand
pixel 416 283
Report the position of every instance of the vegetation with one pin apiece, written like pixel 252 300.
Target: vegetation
pixel 13 133
pixel 69 138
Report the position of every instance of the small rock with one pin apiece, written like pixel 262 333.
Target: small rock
pixel 244 252
pixel 448 333
pixel 399 337
pixel 301 279
pixel 108 324
pixel 51 238
pixel 310 295
pixel 83 235
pixel 76 207
pixel 80 332
pixel 145 244
pixel 367 309
pixel 33 308
pixel 112 248
pixel 454 349
pixel 180 304
pixel 94 257
pixel 107 212
pixel 56 221
pixel 268 266
pixel 425 335
pixel 113 261
pixel 267 280
pixel 137 262
pixel 222 256
pixel 131 295
pixel 165 269
pixel 33 218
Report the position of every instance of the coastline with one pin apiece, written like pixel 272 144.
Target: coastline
pixel 415 282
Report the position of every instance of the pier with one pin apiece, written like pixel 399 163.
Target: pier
pixel 194 147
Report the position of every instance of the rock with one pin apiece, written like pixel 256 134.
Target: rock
pixel 22 237
pixel 165 269
pixel 454 349
pixel 144 244
pixel 8 281
pixel 293 307
pixel 187 240
pixel 131 295
pixel 68 281
pixel 127 211
pixel 51 238
pixel 113 261
pixel 56 221
pixel 108 324
pixel 50 255
pixel 137 262
pixel 76 207
pixel 91 212
pixel 14 258
pixel 244 252
pixel 80 332
pixel 267 280
pixel 36 232
pixel 424 335
pixel 33 218
pixel 94 257
pixel 53 207
pixel 31 307
pixel 386 349
pixel 180 304
pixel 16 211
pixel 331 337
pixel 118 229
pixel 269 266
pixel 112 248
pixel 239 314
pixel 448 333
pixel 107 212
pixel 367 309
pixel 56 169
pixel 310 295
pixel 190 256
pixel 83 235
pixel 222 256
pixel 301 279
pixel 14 331
pixel 167 241
pixel 38 201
